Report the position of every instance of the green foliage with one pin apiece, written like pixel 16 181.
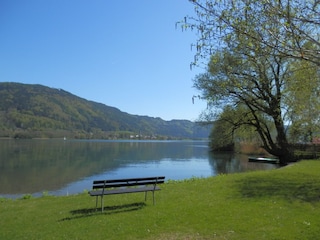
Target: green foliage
pixel 26 196
pixel 304 102
pixel 35 111
pixel 221 136
pixel 252 46
pixel 276 204
pixel 234 125
pixel 281 27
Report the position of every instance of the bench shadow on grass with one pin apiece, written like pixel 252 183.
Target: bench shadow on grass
pixel 290 189
pixel 108 210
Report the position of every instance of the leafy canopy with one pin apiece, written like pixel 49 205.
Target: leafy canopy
pixel 253 46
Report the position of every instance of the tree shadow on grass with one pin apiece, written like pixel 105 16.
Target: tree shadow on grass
pixel 89 212
pixel 290 188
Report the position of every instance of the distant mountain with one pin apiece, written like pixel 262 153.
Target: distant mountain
pixel 30 111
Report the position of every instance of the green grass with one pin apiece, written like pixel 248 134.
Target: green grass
pixel 275 204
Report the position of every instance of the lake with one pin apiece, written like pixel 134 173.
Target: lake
pixel 63 167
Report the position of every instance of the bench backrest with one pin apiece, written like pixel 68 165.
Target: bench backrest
pixel 128 182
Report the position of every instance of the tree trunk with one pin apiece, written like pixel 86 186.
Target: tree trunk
pixel 282 149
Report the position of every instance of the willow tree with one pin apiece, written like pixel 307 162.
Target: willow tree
pixel 256 82
pixel 251 45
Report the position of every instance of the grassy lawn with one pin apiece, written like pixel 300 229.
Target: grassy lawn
pixel 276 204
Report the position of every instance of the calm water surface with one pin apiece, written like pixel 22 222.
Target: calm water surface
pixel 62 167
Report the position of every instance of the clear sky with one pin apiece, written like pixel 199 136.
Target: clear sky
pixel 126 54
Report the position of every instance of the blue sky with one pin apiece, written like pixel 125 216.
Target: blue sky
pixel 126 54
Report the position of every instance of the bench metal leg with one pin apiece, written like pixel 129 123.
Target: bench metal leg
pixel 101 203
pixel 145 196
pixel 153 196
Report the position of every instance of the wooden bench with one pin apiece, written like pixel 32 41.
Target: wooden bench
pixel 120 186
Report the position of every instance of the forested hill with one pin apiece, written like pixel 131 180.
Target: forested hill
pixel 29 111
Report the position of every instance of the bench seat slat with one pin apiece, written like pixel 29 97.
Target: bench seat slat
pixel 124 190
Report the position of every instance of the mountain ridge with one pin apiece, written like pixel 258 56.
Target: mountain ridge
pixel 34 110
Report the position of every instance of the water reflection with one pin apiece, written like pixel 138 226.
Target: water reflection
pixel 66 167
pixel 232 163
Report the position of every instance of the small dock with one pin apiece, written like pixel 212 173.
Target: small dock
pixel 264 160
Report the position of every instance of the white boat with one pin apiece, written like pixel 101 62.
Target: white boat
pixel 263 159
